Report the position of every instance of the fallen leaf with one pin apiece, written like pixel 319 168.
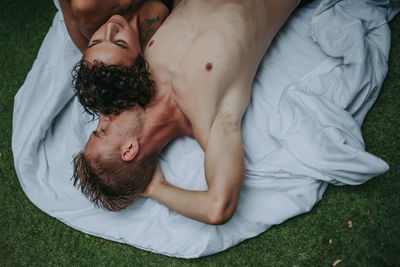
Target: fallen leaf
pixel 350 223
pixel 336 262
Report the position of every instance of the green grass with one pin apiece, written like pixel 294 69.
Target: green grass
pixel 30 237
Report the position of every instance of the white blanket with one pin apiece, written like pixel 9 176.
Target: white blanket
pixel 301 131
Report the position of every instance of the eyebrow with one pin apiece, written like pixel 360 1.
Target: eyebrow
pixel 95 42
pixel 117 43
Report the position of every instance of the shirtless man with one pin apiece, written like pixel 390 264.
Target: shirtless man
pixel 202 60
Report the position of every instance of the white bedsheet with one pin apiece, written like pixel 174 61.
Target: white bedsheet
pixel 301 131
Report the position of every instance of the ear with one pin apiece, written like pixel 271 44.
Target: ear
pixel 130 150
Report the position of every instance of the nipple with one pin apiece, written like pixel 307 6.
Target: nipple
pixel 209 66
pixel 151 43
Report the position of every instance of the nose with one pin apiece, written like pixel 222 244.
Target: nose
pixel 104 120
pixel 111 30
pixel 104 117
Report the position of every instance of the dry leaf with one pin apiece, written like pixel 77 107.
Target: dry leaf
pixel 330 241
pixel 336 262
pixel 350 223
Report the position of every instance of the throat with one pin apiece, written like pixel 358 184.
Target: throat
pixel 173 120
pixel 164 119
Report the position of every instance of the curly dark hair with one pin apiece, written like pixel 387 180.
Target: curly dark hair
pixel 110 89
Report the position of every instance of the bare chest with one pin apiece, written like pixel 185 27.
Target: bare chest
pixel 209 57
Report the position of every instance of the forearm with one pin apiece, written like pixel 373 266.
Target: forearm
pixel 224 171
pixel 203 206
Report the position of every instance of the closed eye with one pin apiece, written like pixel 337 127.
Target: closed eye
pixel 94 42
pixel 121 43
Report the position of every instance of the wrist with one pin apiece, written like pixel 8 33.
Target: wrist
pixel 156 186
pixel 161 186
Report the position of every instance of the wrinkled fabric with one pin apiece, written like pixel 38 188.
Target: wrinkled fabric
pixel 301 131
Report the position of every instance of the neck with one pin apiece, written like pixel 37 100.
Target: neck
pixel 164 120
pixel 133 19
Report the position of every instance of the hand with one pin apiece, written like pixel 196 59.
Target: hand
pixel 156 181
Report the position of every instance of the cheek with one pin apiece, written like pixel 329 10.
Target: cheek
pixel 106 145
pixel 130 36
pixel 97 34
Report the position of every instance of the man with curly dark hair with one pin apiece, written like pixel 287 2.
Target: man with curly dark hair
pixel 125 80
pixel 203 61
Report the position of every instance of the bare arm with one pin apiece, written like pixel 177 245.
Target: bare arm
pixel 72 26
pixel 152 15
pixel 224 169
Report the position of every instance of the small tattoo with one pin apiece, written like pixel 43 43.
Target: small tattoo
pixel 152 21
pixel 148 29
pixel 151 31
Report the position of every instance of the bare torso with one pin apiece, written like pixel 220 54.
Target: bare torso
pixel 208 51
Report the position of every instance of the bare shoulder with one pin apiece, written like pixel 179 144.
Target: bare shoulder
pixel 221 121
pixel 83 7
pixel 151 15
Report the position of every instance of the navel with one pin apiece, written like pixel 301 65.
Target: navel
pixel 209 66
pixel 151 43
